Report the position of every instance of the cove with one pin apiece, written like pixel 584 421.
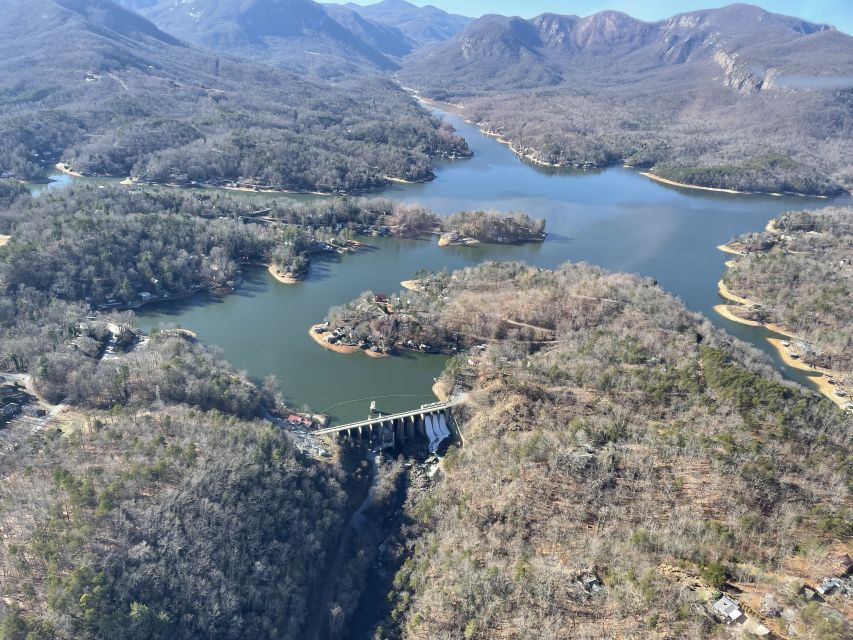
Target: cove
pixel 615 218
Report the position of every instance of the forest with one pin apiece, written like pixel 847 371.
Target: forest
pixel 704 147
pixel 800 274
pixel 610 433
pixel 139 103
pixel 165 523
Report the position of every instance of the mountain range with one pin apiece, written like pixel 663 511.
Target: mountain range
pixel 744 46
pixel 736 97
pixel 330 40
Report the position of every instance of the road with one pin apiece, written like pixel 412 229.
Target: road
pixel 23 427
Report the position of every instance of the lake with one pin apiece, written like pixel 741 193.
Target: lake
pixel 616 218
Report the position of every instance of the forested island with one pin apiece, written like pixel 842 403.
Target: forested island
pixel 116 247
pixel 624 464
pixel 797 276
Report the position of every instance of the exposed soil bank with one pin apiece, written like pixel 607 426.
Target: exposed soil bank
pixel 282 277
pixel 411 285
pixel 66 169
pixel 685 185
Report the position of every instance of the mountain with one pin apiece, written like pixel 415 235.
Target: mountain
pixel 686 96
pixel 101 88
pixel 422 25
pixel 385 38
pixel 551 49
pixel 296 34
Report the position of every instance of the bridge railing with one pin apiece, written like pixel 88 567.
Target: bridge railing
pixel 426 409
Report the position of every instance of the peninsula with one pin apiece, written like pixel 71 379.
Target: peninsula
pixel 796 278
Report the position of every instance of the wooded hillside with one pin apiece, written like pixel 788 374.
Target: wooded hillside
pixel 609 433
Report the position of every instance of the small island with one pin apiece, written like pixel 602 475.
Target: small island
pixel 474 227
pixel 379 218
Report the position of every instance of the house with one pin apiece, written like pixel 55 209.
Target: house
pixel 727 609
pixel 846 561
pixel 807 592
pixel 828 585
pixel 294 419
pixel 591 583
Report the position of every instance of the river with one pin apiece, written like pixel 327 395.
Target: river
pixel 615 218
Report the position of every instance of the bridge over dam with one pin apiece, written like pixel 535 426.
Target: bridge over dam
pixel 431 421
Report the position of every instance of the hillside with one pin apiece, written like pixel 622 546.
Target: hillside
pixel 181 526
pixel 623 462
pixel 799 274
pixel 685 97
pixel 106 91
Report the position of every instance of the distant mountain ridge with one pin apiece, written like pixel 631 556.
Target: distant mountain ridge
pixel 303 35
pixel 295 34
pixel 422 25
pixel 498 52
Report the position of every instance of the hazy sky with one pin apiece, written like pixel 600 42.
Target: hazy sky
pixel 835 12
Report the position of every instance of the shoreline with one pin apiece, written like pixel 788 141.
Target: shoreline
pixel 129 181
pixel 341 348
pixel 411 285
pixel 725 292
pixel 264 190
pixel 821 379
pixel 725 248
pixel 684 185
pixel 459 111
pixel 673 183
pixel 283 279
pixel 821 375
pixel 65 168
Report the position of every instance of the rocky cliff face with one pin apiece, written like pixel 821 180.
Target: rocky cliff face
pixel 737 76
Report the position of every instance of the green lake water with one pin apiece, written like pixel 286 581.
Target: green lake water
pixel 616 218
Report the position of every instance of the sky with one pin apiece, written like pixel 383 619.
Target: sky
pixel 838 13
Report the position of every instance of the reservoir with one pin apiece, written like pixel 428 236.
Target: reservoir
pixel 616 219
